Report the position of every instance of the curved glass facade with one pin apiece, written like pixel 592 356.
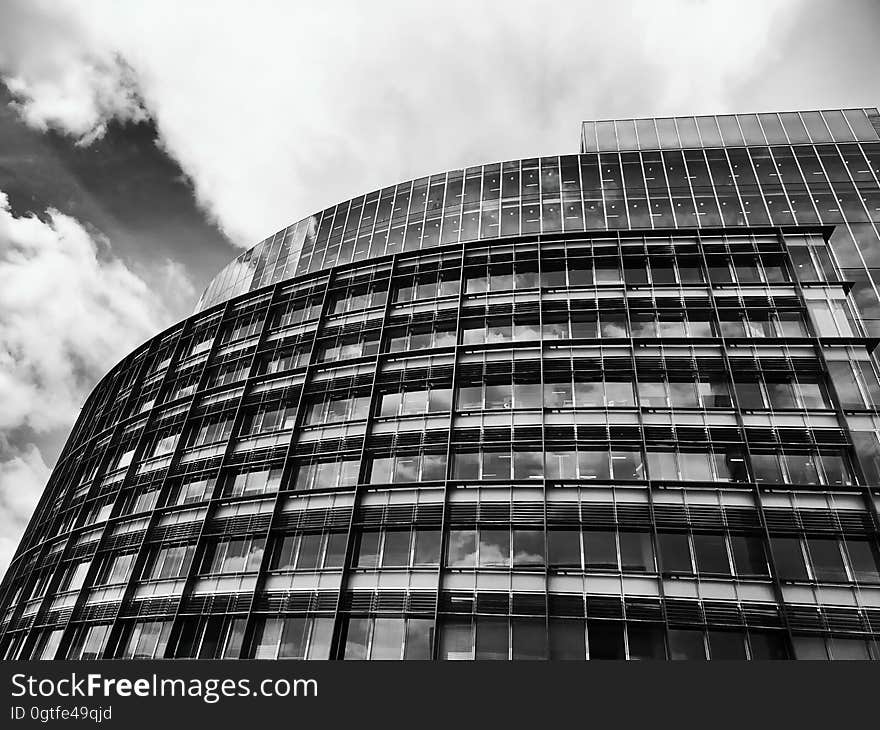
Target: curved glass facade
pixel 658 187
pixel 648 440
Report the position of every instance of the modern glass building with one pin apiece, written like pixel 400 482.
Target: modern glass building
pixel 615 404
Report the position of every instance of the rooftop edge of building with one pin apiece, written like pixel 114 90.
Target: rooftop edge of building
pixel 825 126
pixel 830 126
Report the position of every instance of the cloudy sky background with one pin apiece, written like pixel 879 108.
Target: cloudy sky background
pixel 144 144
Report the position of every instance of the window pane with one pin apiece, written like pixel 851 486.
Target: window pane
pixel 529 638
pixel 387 638
pixel 528 547
pixel 600 549
pixel 789 558
pixel 863 560
pixel 494 548
pixel 396 550
pixel 767 645
pixel 462 548
pixel 564 548
pixel 427 547
pixel 368 550
pixel 605 640
pixel 646 642
pixel 492 641
pixel 674 552
pixel 293 639
pixel 711 554
pixel 356 638
pixel 567 639
pixel 686 644
pixel 309 552
pixel 636 552
pixel 727 645
pixel 827 560
pixel 419 636
pixel 748 555
pixel 456 639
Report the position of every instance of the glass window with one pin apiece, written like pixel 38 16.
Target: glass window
pixel 827 559
pixel 627 464
pixel 809 647
pixel 863 560
pixel 494 548
pixel 727 645
pixel 619 394
pixel 368 549
pixel 848 649
pixel 564 548
pixel 646 642
pixel 528 464
pixel 427 547
pixel 652 394
pixel 496 465
pixel 528 547
pixel 605 639
pixel 695 466
pixel 560 465
pixel 462 549
pixel 593 464
pixel 567 639
pixel 396 549
pixel 388 634
pixel 529 638
pixel 309 552
pixel 294 636
pixel 662 465
pixel 600 549
pixel 748 555
pixel 711 554
pixel 766 468
pixel 419 638
pixel 636 552
pixel 767 645
pixel 456 639
pixel 781 395
pixel 748 394
pixel 686 644
pixel 492 638
pixel 789 558
pixel 467 465
pixel 801 468
pixel 357 638
pixel 683 394
pixel 675 553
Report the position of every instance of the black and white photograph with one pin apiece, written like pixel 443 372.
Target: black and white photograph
pixel 433 331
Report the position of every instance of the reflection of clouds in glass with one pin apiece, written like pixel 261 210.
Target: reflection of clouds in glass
pixel 494 547
pixel 406 470
pixel 527 332
pixel 613 329
pixel 493 555
pixel 558 331
pixel 255 558
pixel 498 334
pixel 462 548
pixel 528 557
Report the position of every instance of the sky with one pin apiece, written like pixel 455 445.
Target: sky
pixel 145 144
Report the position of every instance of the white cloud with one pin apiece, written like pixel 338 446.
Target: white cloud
pixel 68 311
pixel 278 110
pixel 61 77
pixel 22 478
